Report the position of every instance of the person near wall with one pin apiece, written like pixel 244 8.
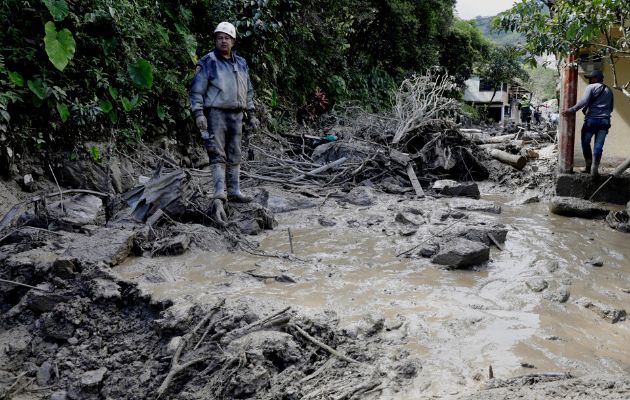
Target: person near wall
pixel 597 104
pixel 526 110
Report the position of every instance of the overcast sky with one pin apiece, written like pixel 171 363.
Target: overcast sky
pixel 468 9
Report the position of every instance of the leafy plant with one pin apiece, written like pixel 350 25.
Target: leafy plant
pixel 95 153
pixel 60 46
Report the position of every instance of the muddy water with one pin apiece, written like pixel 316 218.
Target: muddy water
pixel 456 322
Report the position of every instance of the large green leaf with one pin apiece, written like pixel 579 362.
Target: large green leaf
pixel 37 87
pixel 141 73
pixel 105 105
pixel 16 78
pixel 63 111
pixel 60 45
pixel 58 9
pixel 113 92
pixel 128 104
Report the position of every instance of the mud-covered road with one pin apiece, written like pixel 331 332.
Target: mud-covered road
pixel 523 312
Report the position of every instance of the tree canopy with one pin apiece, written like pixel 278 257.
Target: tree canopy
pixel 72 71
pixel 565 27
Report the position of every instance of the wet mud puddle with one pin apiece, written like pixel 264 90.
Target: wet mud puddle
pixel 523 312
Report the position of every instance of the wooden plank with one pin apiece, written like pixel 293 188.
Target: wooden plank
pixel 414 180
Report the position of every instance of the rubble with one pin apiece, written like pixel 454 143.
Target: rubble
pixel 461 252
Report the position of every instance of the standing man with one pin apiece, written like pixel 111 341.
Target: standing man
pixel 526 111
pixel 598 103
pixel 220 92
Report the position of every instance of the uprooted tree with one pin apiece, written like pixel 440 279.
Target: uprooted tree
pixel 565 27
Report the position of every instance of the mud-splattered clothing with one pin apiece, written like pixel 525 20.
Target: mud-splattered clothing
pixel 221 90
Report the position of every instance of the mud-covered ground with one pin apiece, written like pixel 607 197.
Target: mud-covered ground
pixel 356 310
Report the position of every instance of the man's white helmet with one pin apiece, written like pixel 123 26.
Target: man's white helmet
pixel 226 28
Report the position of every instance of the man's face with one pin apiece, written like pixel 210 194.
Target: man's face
pixel 224 43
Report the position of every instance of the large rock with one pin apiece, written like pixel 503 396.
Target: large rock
pixel 84 174
pixel 108 245
pixel 79 210
pixel 329 152
pixel 361 196
pixel 573 207
pixel 610 314
pixel 481 233
pixel 447 187
pixel 282 202
pixel 462 252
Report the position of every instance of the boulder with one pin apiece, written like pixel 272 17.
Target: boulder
pixel 361 196
pixel 109 245
pixel 176 245
pixel 560 295
pixel 282 202
pixel 447 187
pixel 475 205
pixel 79 210
pixel 104 289
pixel 329 152
pixel 461 252
pixel 480 232
pixel 574 207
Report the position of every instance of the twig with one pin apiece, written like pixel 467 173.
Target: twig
pixel 58 187
pixel 322 345
pixel 358 389
pixel 328 363
pixel 175 366
pixel 290 240
pixel 236 333
pixel 25 285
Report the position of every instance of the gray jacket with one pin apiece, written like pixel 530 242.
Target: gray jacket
pixel 221 83
pixel 602 104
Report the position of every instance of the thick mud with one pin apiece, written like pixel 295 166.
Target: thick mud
pixel 546 303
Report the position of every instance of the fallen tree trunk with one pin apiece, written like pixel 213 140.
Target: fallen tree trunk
pixel 517 144
pixel 495 139
pixel 517 161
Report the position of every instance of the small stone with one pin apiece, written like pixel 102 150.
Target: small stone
pixel 326 221
pixel 559 296
pixel 403 219
pixel 595 262
pixel 527 365
pixel 361 196
pixel 60 395
pixel 537 284
pixel 44 374
pixel 105 289
pixel 93 378
pixel 173 344
pixel 409 232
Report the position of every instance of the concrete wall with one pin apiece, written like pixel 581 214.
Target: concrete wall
pixel 473 94
pixel 617 146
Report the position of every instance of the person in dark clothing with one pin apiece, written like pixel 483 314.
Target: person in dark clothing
pixel 597 104
pixel 526 110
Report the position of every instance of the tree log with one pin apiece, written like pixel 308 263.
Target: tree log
pixel 516 161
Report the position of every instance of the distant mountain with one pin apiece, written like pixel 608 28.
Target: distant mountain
pixel 501 38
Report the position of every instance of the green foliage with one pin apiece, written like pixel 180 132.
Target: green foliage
pixel 58 9
pixel 63 111
pixel 503 65
pixel 60 46
pixel 495 35
pixel 141 73
pixel 542 82
pixel 464 50
pixel 95 153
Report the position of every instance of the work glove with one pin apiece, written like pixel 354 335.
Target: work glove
pixel 201 122
pixel 252 122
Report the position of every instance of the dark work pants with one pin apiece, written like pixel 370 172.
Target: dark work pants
pixel 225 129
pixel 597 127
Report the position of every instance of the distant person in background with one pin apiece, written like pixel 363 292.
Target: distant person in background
pixel 597 104
pixel 526 110
pixel 537 115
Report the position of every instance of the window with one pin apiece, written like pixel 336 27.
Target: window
pixel 486 86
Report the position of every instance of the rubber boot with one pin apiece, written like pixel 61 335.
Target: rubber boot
pixel 595 166
pixel 587 167
pixel 218 176
pixel 234 185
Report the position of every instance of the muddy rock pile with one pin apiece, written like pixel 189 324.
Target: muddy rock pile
pixel 70 329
